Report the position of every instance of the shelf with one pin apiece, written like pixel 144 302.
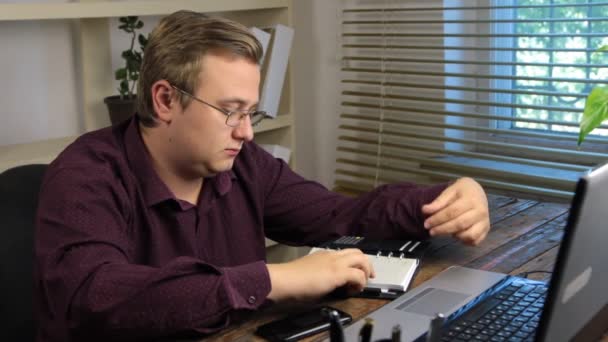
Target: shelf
pixel 106 9
pixel 39 152
pixel 281 121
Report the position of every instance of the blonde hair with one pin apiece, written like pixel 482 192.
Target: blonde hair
pixel 176 47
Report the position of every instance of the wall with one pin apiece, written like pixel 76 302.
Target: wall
pixel 317 98
pixel 38 94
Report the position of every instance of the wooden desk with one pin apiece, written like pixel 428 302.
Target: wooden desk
pixel 525 236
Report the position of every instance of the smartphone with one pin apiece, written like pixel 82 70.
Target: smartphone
pixel 299 325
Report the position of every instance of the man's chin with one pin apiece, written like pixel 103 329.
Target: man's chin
pixel 223 167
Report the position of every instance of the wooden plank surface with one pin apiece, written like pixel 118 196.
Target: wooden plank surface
pixel 540 267
pixel 521 249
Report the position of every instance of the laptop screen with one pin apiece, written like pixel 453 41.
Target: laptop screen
pixel 577 303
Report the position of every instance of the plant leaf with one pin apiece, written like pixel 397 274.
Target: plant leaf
pixel 142 40
pixel 120 74
pixel 123 19
pixel 595 112
pixel 132 65
pixel 602 48
pixel 124 88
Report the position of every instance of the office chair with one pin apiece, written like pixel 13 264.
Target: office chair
pixel 19 189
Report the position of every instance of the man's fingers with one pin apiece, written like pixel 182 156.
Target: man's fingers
pixel 474 235
pixel 447 214
pixel 355 278
pixel 461 221
pixel 354 258
pixel 461 210
pixel 353 269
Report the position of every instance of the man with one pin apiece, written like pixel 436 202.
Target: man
pixel 155 227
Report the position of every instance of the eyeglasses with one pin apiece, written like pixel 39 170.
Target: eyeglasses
pixel 233 117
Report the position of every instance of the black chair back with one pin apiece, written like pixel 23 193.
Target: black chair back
pixel 19 188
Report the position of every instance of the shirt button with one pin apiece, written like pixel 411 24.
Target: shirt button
pixel 251 299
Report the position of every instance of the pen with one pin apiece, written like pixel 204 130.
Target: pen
pixel 434 333
pixel 365 334
pixel 396 333
pixel 336 334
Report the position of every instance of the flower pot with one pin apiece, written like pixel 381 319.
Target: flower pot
pixel 119 109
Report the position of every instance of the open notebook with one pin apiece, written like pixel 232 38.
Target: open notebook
pixel 393 274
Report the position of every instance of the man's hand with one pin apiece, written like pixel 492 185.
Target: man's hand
pixel 460 210
pixel 317 274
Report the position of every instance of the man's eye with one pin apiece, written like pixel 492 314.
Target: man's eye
pixel 237 110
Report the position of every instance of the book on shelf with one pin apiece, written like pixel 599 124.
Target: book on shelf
pixel 277 58
pixel 263 37
pixel 395 262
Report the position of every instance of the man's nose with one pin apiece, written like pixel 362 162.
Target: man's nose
pixel 244 131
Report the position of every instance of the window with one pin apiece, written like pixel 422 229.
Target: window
pixel 549 49
pixel 491 89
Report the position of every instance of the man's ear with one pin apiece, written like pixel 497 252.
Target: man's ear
pixel 163 101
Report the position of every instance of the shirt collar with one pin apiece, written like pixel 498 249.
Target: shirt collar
pixel 153 188
pixel 222 182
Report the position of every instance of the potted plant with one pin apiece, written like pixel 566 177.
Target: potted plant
pixel 122 106
pixel 596 108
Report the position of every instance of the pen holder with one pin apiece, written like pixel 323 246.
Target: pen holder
pixel 336 333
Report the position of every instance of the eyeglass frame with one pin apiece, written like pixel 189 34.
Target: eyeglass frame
pixel 262 114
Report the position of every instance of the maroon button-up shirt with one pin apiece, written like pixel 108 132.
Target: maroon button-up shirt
pixel 119 257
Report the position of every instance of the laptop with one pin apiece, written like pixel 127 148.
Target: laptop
pixel 481 305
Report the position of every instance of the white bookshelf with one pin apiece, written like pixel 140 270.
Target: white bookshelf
pixel 95 81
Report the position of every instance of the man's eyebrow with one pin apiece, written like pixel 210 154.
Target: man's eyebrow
pixel 240 102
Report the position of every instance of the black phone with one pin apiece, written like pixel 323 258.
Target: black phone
pixel 299 325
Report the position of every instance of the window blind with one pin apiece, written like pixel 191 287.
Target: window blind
pixel 494 90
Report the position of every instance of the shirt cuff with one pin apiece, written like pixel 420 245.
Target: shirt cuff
pixel 432 192
pixel 248 285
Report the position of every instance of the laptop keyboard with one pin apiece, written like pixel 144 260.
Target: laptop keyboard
pixel 511 314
